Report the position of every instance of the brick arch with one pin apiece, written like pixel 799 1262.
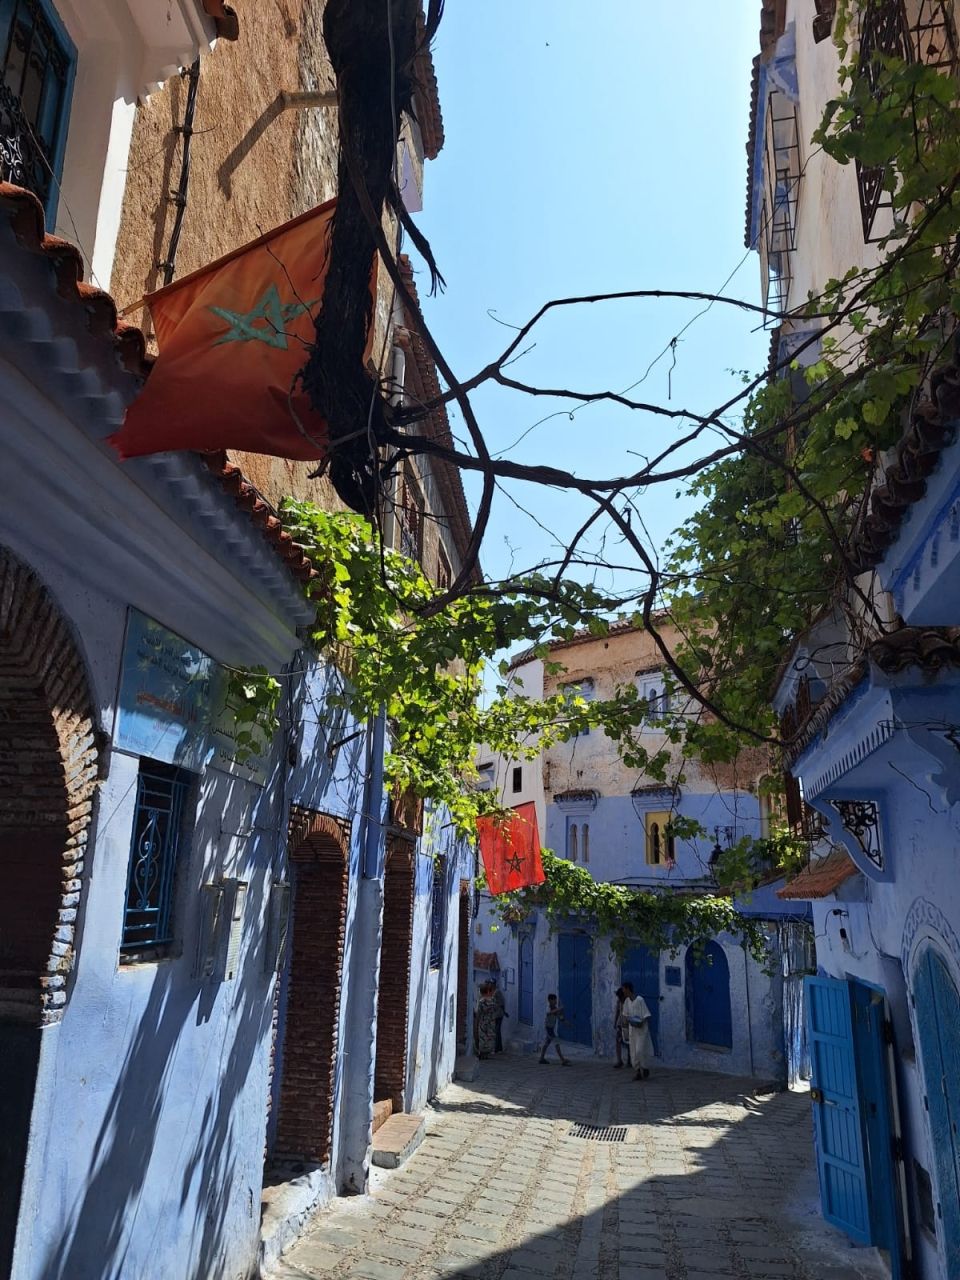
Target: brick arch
pixel 318 848
pixel 393 992
pixel 48 775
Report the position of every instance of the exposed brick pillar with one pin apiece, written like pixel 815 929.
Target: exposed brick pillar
pixel 48 774
pixel 393 995
pixel 318 846
pixel 463 974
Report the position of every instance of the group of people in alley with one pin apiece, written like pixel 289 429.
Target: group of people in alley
pixel 631 1027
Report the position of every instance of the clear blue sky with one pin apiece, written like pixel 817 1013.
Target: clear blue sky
pixel 591 148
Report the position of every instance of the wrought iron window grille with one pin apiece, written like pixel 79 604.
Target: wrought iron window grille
pixel 438 912
pixel 35 89
pixel 924 32
pixel 782 174
pixel 162 792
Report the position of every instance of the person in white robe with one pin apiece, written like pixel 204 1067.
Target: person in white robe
pixel 635 1019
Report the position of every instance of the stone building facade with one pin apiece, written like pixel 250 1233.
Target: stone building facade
pixel 725 1015
pixel 868 710
pixel 191 944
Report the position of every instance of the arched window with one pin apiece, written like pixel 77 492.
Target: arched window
pixel 585 842
pixel 572 841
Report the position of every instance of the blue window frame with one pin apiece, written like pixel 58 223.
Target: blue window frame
pixel 154 852
pixel 438 913
pixel 36 86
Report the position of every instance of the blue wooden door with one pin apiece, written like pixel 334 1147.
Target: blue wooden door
pixel 525 980
pixel 575 958
pixel 868 1012
pixel 938 1028
pixel 709 1018
pixel 836 1108
pixel 641 967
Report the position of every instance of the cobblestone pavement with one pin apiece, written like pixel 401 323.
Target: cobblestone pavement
pixel 712 1181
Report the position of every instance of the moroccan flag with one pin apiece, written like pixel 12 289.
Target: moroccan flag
pixel 510 848
pixel 232 337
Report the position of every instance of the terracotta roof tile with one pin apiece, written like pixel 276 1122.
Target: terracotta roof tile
pixel 25 214
pixel 426 95
pixel 820 878
pixel 934 426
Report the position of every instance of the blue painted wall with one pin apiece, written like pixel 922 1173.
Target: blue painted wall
pixel 150 1115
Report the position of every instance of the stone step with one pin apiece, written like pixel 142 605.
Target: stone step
pixel 382 1111
pixel 396 1139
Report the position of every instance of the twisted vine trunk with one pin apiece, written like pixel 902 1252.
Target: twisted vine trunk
pixel 372 44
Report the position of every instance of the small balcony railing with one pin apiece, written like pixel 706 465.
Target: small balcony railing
pixel 913 31
pixel 23 160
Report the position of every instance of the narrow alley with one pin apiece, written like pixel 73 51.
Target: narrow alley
pixel 706 1179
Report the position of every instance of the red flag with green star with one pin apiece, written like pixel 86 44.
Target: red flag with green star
pixel 232 338
pixel 510 849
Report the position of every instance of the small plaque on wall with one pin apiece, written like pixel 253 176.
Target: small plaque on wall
pixel 671 975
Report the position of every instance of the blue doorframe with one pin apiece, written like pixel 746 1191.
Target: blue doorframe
pixel 525 979
pixel 937 1009
pixel 852 1114
pixel 575 963
pixel 641 967
pixel 709 1017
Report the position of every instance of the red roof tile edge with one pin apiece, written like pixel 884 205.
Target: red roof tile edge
pixel 820 878
pixel 25 215
pixel 426 94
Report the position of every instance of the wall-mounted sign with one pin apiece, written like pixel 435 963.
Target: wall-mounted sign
pixel 172 704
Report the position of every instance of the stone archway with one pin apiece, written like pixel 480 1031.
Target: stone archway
pixel 48 775
pixel 318 852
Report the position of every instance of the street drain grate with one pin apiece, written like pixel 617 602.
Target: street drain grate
pixel 599 1133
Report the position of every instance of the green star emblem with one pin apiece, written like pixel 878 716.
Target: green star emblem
pixel 266 322
pixel 515 863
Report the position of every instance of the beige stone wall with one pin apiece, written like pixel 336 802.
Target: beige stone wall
pixel 252 167
pixel 592 761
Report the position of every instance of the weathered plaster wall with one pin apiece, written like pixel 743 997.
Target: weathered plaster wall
pixel 755 1000
pixel 432 1047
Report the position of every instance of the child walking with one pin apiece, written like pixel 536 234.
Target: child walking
pixel 554 1015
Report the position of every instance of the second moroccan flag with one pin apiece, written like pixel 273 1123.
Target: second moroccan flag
pixel 232 337
pixel 510 849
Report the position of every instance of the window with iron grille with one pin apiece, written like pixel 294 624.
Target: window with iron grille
pixel 444 572
pixel 438 916
pixel 35 90
pixel 409 516
pixel 915 31
pixel 155 850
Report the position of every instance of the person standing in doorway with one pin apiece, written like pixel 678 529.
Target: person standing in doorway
pixel 635 1019
pixel 486 1022
pixel 501 1004
pixel 619 1032
pixel 554 1016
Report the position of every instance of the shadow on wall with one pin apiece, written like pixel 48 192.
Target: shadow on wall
pixel 214 1179
pixel 743 1201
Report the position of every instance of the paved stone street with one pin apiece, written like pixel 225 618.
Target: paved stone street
pixel 712 1180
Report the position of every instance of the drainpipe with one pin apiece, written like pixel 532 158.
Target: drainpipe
pixel 746 979
pixel 362 967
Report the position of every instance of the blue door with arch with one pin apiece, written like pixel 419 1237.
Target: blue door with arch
pixel 641 967
pixel 525 979
pixel 575 959
pixel 709 1019
pixel 937 1008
